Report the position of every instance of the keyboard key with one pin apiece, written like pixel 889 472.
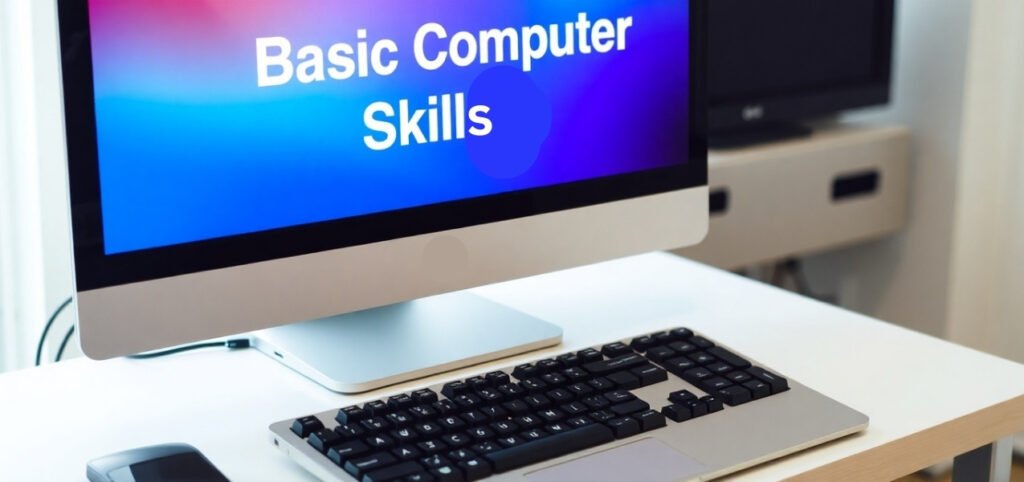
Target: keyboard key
pixel 493 412
pixel 474 417
pixel 696 375
pixel 777 383
pixel 549 365
pixel 596 402
pixel 533 385
pixel 575 408
pixel 624 427
pixel 698 408
pixel 650 420
pixel 551 415
pixel 466 400
pixel 447 473
pixel 524 371
pixel 758 389
pixel 498 378
pixel 477 383
pixel 602 416
pixel 444 407
pixel 380 442
pixel 630 407
pixel 490 395
pixel 486 447
pixel 702 358
pixel 701 342
pixel 511 390
pixel 739 377
pixel 358 467
pixel 619 396
pixel 619 363
pixel 374 425
pixel 589 355
pixel 458 455
pixel 560 396
pixel 682 347
pixel 424 396
pixel 576 374
pixel 393 473
pixel 677 412
pixel 428 429
pixel 681 334
pixel 351 415
pixel 682 396
pixel 660 353
pixel 481 433
pixel 436 460
pixel 456 439
pixel 728 357
pixel 537 402
pixel 734 395
pixel 339 454
pixel 719 368
pixel 642 343
pixel 509 441
pixel 407 452
pixel 376 408
pixel 580 389
pixel 714 384
pixel 678 365
pixel 558 427
pixel 423 411
pixel 504 428
pixel 401 402
pixel 400 418
pixel 516 407
pixel 533 434
pixel 475 469
pixel 554 379
pixel 579 422
pixel 613 350
pixel 649 375
pixel 568 360
pixel 521 455
pixel 350 432
pixel 714 404
pixel 625 380
pixel 431 446
pixel 323 440
pixel 601 384
pixel 527 421
pixel 451 423
pixel 452 389
pixel 420 477
pixel 306 425
pixel 405 435
pixel 663 338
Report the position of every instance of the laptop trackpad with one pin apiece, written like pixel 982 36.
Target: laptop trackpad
pixel 648 460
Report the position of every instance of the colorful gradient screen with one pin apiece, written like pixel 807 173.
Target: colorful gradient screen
pixel 218 118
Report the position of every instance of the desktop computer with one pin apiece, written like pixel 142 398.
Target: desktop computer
pixel 331 175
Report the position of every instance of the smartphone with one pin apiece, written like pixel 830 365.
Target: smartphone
pixel 159 463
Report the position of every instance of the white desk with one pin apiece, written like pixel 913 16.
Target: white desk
pixel 928 400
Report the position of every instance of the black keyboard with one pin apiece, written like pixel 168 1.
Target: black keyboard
pixel 505 420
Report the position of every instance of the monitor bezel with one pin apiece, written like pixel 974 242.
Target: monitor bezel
pixel 94 269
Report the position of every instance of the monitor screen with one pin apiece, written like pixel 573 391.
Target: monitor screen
pixel 764 48
pixel 222 118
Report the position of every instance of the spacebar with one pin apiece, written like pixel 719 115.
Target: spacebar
pixel 551 447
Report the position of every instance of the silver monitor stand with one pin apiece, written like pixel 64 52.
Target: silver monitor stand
pixel 362 351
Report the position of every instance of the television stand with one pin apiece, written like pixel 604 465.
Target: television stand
pixel 757 134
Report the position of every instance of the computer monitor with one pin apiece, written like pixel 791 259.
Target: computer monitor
pixel 238 166
pixel 774 64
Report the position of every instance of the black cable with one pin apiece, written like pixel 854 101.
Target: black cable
pixel 64 344
pixel 235 344
pixel 46 329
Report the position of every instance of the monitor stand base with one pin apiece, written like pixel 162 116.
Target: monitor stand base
pixel 757 134
pixel 359 352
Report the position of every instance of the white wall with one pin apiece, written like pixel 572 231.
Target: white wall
pixel 906 279
pixel 35 273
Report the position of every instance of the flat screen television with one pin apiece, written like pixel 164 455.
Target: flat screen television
pixel 773 64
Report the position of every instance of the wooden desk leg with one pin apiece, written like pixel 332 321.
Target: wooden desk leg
pixel 988 463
